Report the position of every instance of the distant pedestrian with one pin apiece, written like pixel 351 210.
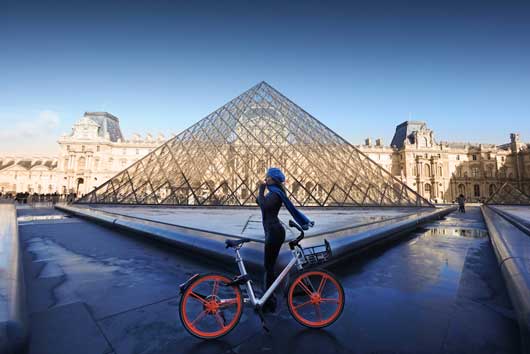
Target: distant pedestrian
pixel 461 203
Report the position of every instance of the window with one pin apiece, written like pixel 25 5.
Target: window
pixel 440 171
pixel 428 191
pixel 474 157
pixel 427 170
pixel 462 189
pixel 493 188
pixel 476 190
pixel 490 171
pixel 137 151
pixel 83 148
pixel 475 173
pixel 458 157
pixel 97 148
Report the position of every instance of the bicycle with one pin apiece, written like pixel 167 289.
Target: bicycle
pixel 211 304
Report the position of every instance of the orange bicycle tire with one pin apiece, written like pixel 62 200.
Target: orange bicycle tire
pixel 315 298
pixel 210 306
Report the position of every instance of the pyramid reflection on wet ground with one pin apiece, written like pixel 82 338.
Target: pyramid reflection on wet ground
pixel 221 160
pixel 509 194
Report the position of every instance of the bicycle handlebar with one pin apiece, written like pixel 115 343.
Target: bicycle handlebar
pixel 294 243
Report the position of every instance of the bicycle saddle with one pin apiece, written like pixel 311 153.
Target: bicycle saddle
pixel 236 243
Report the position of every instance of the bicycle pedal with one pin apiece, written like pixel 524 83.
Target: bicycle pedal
pixel 239 280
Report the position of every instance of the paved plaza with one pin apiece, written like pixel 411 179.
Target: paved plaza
pixel 96 290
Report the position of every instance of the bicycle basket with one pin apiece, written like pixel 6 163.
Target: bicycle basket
pixel 317 254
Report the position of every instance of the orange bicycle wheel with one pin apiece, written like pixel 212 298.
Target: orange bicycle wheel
pixel 315 298
pixel 209 308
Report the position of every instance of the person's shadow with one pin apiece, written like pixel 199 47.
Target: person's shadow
pixel 209 347
pixel 309 340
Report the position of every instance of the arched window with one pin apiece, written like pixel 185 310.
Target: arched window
pixel 427 170
pixel 475 172
pixel 476 190
pixel 461 189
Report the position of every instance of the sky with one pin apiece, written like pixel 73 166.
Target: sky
pixel 359 67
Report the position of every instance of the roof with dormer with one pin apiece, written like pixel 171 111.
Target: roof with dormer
pixel 108 125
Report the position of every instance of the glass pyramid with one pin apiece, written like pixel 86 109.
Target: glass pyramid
pixel 509 194
pixel 222 159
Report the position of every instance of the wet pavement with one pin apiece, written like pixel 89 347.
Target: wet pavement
pixel 95 290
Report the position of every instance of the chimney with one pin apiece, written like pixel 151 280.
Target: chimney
pixel 379 142
pixel 368 142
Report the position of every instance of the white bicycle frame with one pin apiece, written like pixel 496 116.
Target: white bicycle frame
pixel 296 260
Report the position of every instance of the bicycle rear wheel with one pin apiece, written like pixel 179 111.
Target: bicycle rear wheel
pixel 209 308
pixel 315 298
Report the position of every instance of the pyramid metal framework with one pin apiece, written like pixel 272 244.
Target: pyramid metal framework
pixel 510 195
pixel 222 159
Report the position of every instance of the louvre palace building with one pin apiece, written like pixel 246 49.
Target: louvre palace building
pixel 92 153
pixel 96 151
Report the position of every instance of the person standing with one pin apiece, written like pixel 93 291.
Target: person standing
pixel 461 203
pixel 270 205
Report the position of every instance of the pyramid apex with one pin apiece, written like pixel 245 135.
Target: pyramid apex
pixel 221 159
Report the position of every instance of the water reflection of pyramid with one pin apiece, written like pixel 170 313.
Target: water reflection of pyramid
pixel 221 160
pixel 509 194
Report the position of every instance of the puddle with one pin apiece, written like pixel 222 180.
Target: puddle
pixel 59 261
pixel 31 218
pixel 456 231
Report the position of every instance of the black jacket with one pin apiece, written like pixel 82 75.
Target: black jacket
pixel 270 205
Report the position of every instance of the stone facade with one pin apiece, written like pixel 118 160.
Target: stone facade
pixel 92 153
pixel 440 171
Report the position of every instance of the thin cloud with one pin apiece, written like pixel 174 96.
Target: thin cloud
pixel 42 125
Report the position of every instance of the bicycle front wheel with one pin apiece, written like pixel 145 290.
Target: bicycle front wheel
pixel 315 298
pixel 209 308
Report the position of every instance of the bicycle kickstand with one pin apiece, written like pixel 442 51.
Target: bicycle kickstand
pixel 262 318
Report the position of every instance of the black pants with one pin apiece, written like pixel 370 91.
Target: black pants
pixel 462 208
pixel 274 237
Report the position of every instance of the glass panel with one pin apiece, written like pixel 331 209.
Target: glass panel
pixel 221 160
